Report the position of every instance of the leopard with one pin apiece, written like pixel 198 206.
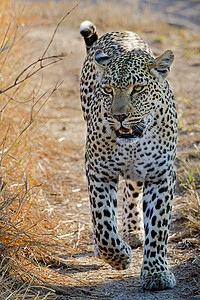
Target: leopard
pixel 131 135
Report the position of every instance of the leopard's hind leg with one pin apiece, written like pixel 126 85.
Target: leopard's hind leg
pixel 132 215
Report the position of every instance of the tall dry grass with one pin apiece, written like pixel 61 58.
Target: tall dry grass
pixel 27 226
pixel 190 184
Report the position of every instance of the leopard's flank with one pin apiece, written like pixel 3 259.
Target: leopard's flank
pixel 131 132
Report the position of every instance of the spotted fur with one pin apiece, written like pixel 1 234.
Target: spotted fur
pixel 131 132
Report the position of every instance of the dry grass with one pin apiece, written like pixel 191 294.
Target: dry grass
pixel 109 15
pixel 191 208
pixel 27 225
pixel 190 188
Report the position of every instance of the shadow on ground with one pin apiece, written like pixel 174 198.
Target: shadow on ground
pixel 187 276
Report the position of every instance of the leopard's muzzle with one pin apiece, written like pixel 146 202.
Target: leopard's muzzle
pixel 129 133
pixel 134 131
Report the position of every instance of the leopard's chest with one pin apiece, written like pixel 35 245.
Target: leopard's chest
pixel 129 159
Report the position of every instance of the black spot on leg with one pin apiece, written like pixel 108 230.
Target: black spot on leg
pixel 104 242
pixel 113 242
pixel 153 197
pixel 159 224
pixel 153 254
pixel 106 213
pixel 118 242
pixel 158 204
pixel 153 244
pixel 146 229
pixel 100 204
pixel 131 188
pixel 144 206
pixel 109 227
pixel 162 212
pixel 153 221
pixel 98 215
pixel 163 189
pixel 153 233
pixel 168 207
pixel 130 216
pixel 162 268
pixel 100 226
pixel 131 206
pixel 106 235
pixel 135 195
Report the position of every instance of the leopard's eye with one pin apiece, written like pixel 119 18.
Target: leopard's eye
pixel 108 90
pixel 137 88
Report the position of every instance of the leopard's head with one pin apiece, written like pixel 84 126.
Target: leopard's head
pixel 131 86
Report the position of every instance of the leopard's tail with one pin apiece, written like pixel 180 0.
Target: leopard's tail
pixel 89 32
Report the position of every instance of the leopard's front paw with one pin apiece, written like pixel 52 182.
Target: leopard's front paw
pixel 159 281
pixel 134 239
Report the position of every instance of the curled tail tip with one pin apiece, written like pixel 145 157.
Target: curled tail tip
pixel 87 28
pixel 89 33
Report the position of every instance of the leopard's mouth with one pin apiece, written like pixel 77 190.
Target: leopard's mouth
pixel 129 133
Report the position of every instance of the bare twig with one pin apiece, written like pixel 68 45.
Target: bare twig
pixel 10 47
pixel 57 86
pixel 18 79
pixel 56 58
pixel 56 29
pixel 4 142
pixel 5 36
pixel 5 152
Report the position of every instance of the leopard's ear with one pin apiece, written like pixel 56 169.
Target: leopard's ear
pixel 102 60
pixel 160 66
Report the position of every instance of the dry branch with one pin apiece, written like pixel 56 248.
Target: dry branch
pixel 56 29
pixel 56 58
pixel 20 80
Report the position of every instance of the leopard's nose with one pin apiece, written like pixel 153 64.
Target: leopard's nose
pixel 120 118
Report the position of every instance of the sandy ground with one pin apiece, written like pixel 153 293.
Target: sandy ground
pixel 81 275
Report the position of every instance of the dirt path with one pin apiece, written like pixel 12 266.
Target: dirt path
pixel 177 12
pixel 82 275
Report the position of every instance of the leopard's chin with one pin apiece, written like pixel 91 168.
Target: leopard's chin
pixel 128 133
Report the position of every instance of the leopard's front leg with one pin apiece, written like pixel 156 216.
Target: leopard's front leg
pixel 157 206
pixel 103 201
